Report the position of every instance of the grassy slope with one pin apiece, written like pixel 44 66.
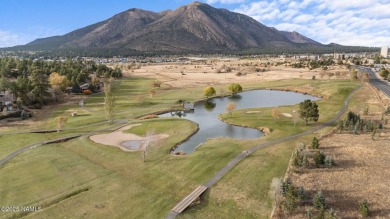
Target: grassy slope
pixel 121 185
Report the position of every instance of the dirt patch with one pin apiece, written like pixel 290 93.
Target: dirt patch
pixel 209 72
pixel 117 137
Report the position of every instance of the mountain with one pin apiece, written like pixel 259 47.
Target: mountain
pixel 298 38
pixel 196 27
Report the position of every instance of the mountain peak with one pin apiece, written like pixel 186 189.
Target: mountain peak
pixel 196 3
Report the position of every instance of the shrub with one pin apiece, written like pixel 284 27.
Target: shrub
pixel 301 193
pixel 289 202
pixel 305 161
pixel 315 144
pixel 286 186
pixel 156 84
pixel 364 208
pixel 300 158
pixel 328 161
pixel 319 201
pixel 331 214
pixel 319 158
pixel 384 73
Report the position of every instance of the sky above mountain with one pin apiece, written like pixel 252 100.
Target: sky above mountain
pixel 358 22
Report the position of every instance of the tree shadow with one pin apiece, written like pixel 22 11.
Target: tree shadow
pixel 209 105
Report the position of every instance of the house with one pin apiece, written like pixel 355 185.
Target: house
pixel 85 86
pixel 6 100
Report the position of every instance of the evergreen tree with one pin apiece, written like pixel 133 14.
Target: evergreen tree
pixel 40 85
pixel 308 110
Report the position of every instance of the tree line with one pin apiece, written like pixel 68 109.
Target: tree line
pixel 49 52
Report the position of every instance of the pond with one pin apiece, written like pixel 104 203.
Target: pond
pixel 206 113
pixel 132 145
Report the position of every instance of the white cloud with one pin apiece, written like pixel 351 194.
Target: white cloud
pixel 303 18
pixel 360 22
pixel 8 38
pixel 12 38
pixel 342 5
pixel 224 1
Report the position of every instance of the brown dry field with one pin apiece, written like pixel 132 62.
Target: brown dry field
pixel 362 167
pixel 200 73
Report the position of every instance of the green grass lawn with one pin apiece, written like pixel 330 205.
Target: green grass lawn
pixel 80 178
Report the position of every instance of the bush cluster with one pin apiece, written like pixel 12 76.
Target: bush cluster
pixel 293 196
pixel 300 158
pixel 354 124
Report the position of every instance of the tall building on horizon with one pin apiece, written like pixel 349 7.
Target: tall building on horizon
pixel 385 51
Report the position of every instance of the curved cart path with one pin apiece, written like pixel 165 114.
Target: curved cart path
pixel 193 195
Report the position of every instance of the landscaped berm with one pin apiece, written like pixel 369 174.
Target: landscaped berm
pixel 95 176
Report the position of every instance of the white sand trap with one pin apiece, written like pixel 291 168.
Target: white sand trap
pixel 252 112
pixel 288 115
pixel 117 137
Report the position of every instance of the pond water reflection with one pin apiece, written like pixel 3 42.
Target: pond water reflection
pixel 206 115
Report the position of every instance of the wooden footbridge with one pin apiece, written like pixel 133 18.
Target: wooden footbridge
pixel 183 204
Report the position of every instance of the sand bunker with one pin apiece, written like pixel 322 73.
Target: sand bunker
pixel 288 115
pixel 118 137
pixel 249 112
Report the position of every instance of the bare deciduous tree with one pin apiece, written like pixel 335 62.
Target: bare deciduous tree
pixel 152 92
pixel 276 191
pixel 61 122
pixel 230 107
pixel 295 117
pixel 149 139
pixel 109 102
pixel 276 114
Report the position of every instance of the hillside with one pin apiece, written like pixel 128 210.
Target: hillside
pixel 196 27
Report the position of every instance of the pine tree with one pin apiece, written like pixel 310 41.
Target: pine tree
pixel 40 85
pixel 308 110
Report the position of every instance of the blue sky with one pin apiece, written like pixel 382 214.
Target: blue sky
pixel 357 22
